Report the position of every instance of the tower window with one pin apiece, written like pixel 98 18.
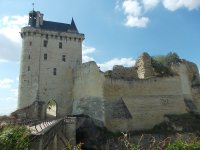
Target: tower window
pixel 45 42
pixel 30 43
pixel 63 58
pixel 45 56
pixel 60 45
pixel 54 71
pixel 29 56
pixel 29 68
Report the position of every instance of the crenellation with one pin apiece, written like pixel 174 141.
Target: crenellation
pixel 51 34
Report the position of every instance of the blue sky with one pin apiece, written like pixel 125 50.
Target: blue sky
pixel 116 32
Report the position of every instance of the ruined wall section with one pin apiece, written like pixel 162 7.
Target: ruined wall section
pixel 124 72
pixel 144 67
pixel 122 102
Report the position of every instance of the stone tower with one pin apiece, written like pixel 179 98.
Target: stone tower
pixel 51 52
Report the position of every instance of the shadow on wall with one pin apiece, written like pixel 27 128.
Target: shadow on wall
pixel 51 109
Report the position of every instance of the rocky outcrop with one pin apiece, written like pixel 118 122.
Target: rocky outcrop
pixel 144 67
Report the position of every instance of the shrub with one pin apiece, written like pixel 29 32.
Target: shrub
pixel 180 145
pixel 14 138
pixel 162 64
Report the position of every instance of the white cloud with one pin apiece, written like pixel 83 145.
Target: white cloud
pixel 9 102
pixel 173 5
pixel 6 83
pixel 108 65
pixel 87 50
pixel 3 61
pixel 135 10
pixel 136 21
pixel 87 58
pixel 10 27
pixel 10 39
pixel 150 4
pixel 132 7
pixel 13 96
pixel 17 78
pixel 127 62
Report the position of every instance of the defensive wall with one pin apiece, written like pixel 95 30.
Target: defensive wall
pixel 128 104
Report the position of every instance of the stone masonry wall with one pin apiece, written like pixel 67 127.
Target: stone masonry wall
pixel 144 67
pixel 125 72
pixel 146 111
pixel 152 86
pixel 88 81
pixel 140 103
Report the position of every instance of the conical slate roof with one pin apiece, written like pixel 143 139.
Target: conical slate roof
pixel 73 26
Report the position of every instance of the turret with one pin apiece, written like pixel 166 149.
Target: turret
pixel 32 18
pixel 35 19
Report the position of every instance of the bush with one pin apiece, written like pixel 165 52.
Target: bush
pixel 160 68
pixel 172 58
pixel 14 138
pixel 180 145
pixel 162 64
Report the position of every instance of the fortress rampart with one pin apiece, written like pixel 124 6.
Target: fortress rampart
pixel 129 103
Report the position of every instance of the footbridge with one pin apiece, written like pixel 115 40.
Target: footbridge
pixel 52 134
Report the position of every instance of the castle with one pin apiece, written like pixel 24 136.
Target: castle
pixel 125 98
